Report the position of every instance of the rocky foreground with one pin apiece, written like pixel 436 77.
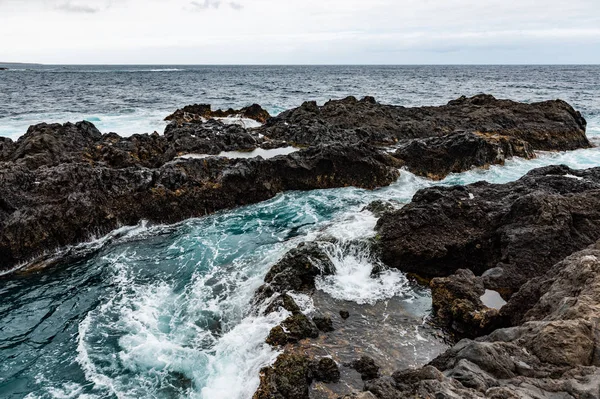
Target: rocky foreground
pixel 534 240
pixel 64 184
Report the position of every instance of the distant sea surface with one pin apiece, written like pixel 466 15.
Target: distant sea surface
pixel 135 99
pixel 165 311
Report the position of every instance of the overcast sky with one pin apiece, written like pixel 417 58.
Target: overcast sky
pixel 300 31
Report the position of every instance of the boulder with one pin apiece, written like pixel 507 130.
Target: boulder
pixel 511 232
pixel 202 112
pixel 437 157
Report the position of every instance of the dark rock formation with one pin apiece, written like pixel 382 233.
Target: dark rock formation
pixel 379 207
pixel 288 378
pixel 62 184
pixel 344 314
pixel 325 370
pixel 282 301
pixel 554 352
pixel 437 157
pixel 511 232
pixel 292 329
pixel 549 125
pixel 366 367
pixel 198 112
pixel 457 304
pixel 292 374
pixel 323 323
pixel 211 137
pixel 298 269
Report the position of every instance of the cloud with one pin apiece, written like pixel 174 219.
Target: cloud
pixel 301 31
pixel 206 4
pixel 76 8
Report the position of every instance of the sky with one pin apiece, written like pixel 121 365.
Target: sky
pixel 300 31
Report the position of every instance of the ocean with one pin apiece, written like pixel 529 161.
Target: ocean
pixel 165 311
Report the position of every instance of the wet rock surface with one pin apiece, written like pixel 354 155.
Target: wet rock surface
pixel 87 183
pixel 200 112
pixel 508 233
pixel 437 157
pixel 63 184
pixel 549 125
pixel 552 353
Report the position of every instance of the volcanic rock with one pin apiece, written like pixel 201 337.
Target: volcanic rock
pixel 200 112
pixel 437 157
pixel 518 230
pixel 552 353
pixel 63 184
pixel 548 125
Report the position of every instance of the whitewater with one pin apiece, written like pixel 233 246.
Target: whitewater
pixel 166 311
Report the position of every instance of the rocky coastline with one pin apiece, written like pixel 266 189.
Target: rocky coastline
pixel 535 242
pixel 63 184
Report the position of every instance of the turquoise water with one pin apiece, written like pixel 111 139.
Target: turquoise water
pixel 165 311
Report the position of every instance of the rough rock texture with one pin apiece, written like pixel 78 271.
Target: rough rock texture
pixel 326 370
pixel 198 112
pixel 456 302
pixel 211 137
pixel 511 232
pixel 366 367
pixel 288 378
pixel 437 157
pixel 554 352
pixel 292 329
pixel 62 184
pixel 549 125
pixel 298 268
pixel 323 323
pixel 292 374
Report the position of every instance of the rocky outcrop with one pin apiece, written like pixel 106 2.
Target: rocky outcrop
pixel 457 304
pixel 553 352
pixel 292 374
pixel 202 112
pixel 297 271
pixel 508 233
pixel 437 157
pixel 548 125
pixel 62 184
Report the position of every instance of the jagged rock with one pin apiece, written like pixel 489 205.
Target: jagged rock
pixel 552 211
pixel 548 125
pixel 211 137
pixel 288 378
pixel 456 301
pixel 379 207
pixel 283 301
pixel 298 269
pixel 292 329
pixel 325 370
pixel 323 323
pixel 553 352
pixel 437 157
pixel 199 112
pixel 60 186
pixel 366 367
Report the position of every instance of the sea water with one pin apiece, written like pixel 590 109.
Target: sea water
pixel 165 311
